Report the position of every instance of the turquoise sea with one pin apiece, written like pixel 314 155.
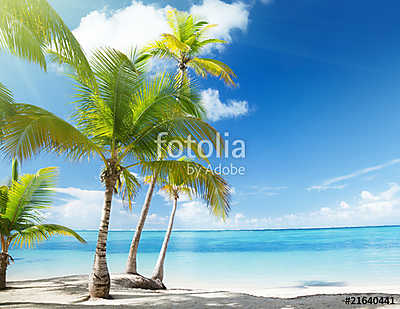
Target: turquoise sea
pixel 240 259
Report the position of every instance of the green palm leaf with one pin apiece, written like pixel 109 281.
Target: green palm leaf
pixel 184 45
pixel 28 28
pixel 30 193
pixel 32 129
pixel 33 235
pixel 203 183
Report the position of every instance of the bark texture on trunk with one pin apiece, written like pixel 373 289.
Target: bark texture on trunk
pixel 137 282
pixel 99 279
pixel 131 267
pixel 3 269
pixel 158 272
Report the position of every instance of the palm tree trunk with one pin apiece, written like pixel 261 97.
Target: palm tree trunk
pixel 158 272
pixel 131 267
pixel 99 280
pixel 3 269
pixel 182 69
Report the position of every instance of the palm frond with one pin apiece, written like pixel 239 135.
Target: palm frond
pixel 33 129
pixel 203 182
pixel 204 66
pixel 27 195
pixel 159 49
pixel 31 236
pixel 174 44
pixel 6 104
pixel 128 186
pixel 105 115
pixel 29 27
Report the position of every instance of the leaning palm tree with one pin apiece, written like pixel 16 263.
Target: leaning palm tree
pixel 186 43
pixel 20 216
pixel 118 119
pixel 184 46
pixel 204 183
pixel 201 184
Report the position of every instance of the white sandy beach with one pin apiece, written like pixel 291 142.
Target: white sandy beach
pixel 71 292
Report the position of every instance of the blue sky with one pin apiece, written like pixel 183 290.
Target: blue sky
pixel 317 105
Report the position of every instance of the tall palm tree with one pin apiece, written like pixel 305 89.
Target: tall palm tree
pixel 185 45
pixel 202 184
pixel 118 119
pixel 20 217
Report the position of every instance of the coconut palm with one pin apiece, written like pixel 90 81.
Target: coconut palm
pixel 21 222
pixel 184 46
pixel 186 43
pixel 118 119
pixel 203 184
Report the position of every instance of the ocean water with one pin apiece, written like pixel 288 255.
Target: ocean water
pixel 239 259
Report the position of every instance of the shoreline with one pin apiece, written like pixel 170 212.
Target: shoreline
pixel 71 292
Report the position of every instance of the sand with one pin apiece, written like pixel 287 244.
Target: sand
pixel 71 292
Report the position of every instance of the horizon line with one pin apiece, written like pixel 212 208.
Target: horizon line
pixel 249 230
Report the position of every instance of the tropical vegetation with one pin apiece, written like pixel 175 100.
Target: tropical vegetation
pixel 120 111
pixel 204 184
pixel 189 38
pixel 21 219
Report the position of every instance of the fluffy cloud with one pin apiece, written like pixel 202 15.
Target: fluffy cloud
pixel 217 110
pixel 382 208
pixel 140 23
pixel 123 29
pixel 227 16
pixel 81 209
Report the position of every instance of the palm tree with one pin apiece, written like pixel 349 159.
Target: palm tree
pixel 202 184
pixel 118 119
pixel 186 43
pixel 20 217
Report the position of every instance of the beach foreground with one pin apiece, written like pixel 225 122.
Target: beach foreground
pixel 71 292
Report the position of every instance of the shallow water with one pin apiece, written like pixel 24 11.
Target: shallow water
pixel 239 259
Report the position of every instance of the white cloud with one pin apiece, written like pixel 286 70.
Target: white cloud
pixel 122 29
pixel 137 24
pixel 383 208
pixel 217 110
pixel 81 209
pixel 226 16
pixel 330 183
